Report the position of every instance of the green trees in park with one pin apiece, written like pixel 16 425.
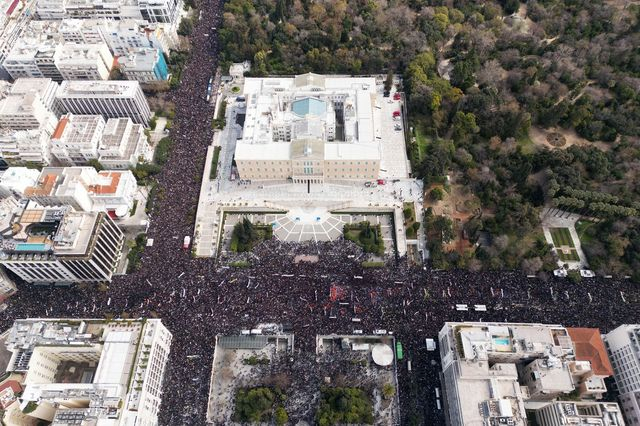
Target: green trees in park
pixel 260 404
pixel 245 235
pixel 479 87
pixel 343 405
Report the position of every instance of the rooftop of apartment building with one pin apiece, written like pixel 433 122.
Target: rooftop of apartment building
pixel 585 413
pixel 81 51
pixel 36 233
pixel 19 104
pixel 119 132
pixel 590 347
pixel 139 59
pixel 98 89
pixel 78 129
pixel 62 181
pixel 41 86
pixel 481 341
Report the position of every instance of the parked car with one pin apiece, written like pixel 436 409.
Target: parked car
pixel 396 96
pixel 396 113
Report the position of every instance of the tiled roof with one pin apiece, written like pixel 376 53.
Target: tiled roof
pixel 590 347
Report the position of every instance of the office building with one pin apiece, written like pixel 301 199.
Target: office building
pixel 59 245
pixel 111 99
pixel 15 180
pixel 310 128
pixel 493 372
pixel 88 371
pixel 85 189
pixel 572 413
pixel 623 347
pixel 144 65
pixel 123 145
pixel 75 139
pixel 84 61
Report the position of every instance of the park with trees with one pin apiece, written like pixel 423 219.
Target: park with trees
pixel 479 78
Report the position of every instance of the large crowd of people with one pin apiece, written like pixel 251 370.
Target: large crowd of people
pixel 315 288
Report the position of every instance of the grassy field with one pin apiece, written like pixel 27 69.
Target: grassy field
pixel 421 142
pixel 582 227
pixel 561 237
pixel 526 144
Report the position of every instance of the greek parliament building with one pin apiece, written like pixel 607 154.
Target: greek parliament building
pixel 58 245
pixel 310 128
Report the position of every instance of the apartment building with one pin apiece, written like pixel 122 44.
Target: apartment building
pixel 494 372
pixel 123 145
pixel 111 99
pixel 82 31
pixel 31 146
pixel 129 34
pixel 76 137
pixel 623 347
pixel 144 65
pixel 161 11
pixel 87 371
pixel 44 88
pixel 84 61
pixel 310 128
pixel 59 246
pixel 14 20
pixel 27 120
pixel 85 189
pixel 33 57
pixel 588 413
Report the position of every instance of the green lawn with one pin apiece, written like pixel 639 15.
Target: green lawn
pixel 582 227
pixel 526 144
pixel 561 237
pixel 421 142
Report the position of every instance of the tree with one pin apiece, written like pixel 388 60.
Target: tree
pixel 463 74
pixel 511 6
pixel 436 194
pixel 388 391
pixel 388 82
pixel 186 27
pixel 464 125
pixel 280 416
pixel 95 164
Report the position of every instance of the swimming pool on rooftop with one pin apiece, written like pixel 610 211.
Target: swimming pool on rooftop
pixel 502 341
pixel 31 247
